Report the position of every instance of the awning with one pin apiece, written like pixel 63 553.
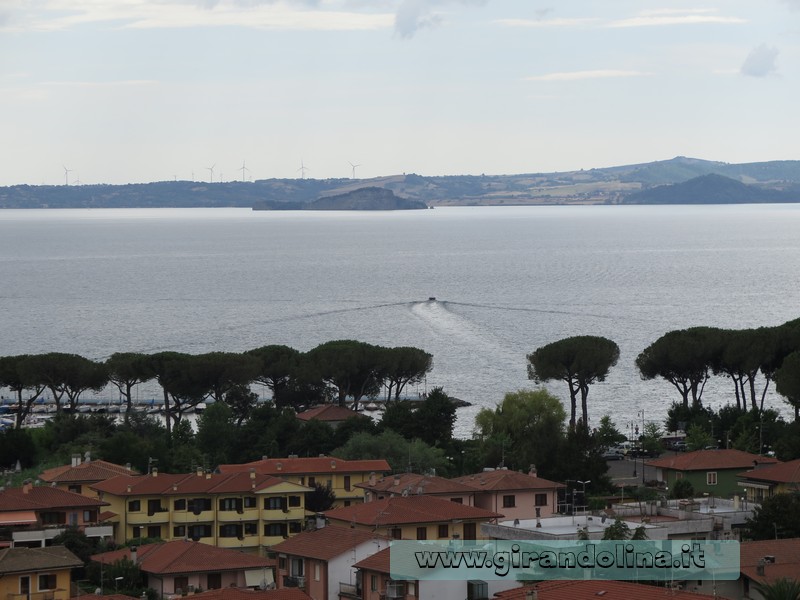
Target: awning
pixel 758 486
pixel 259 577
pixel 17 517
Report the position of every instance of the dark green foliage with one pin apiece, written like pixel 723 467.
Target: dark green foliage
pixel 430 420
pixel 777 517
pixel 618 530
pixel 320 499
pixel 279 366
pixel 401 454
pixel 74 540
pixel 17 445
pixel 607 435
pixel 780 589
pixel 312 439
pixel 216 431
pixel 683 488
pixel 787 382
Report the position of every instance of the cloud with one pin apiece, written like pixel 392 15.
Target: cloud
pixel 651 18
pixel 760 62
pixel 793 4
pixel 544 23
pixel 579 75
pixel 413 15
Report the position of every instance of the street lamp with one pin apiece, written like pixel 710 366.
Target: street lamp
pixel 641 412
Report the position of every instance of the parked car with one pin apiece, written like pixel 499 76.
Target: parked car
pixel 678 446
pixel 613 454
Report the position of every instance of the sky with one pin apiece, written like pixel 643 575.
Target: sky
pixel 133 91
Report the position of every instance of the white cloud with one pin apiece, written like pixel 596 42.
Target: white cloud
pixel 413 15
pixel 760 62
pixel 579 75
pixel 545 23
pixel 650 18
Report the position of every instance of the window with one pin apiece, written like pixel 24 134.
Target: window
pixel 470 531
pixel 294 500
pixel 282 563
pixel 250 502
pixel 230 504
pixel 275 503
pixel 180 504
pixel 275 529
pixel 154 531
pixel 199 531
pixel 75 489
pixel 411 588
pixel 53 518
pixel 153 507
pixel 214 581
pixel 540 500
pixel 711 478
pixel 181 584
pixel 329 483
pixel 295 527
pixel 316 571
pixel 47 582
pixel 396 533
pixel 251 528
pixel 179 531
pixel 347 483
pixel 444 531
pixel 89 516
pixel 509 501
pixel 457 500
pixel 312 481
pixel 73 519
pixel 422 533
pixel 137 531
pixel 373 583
pixel 302 481
pixel 134 505
pixel 198 505
pixel 230 530
pixel 25 585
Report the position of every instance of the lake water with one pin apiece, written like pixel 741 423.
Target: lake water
pixel 506 280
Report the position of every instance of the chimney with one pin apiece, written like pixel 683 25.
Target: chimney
pixel 372 478
pixel 320 521
pixel 27 486
pixel 760 567
pixel 199 471
pixel 397 479
pixel 333 464
pixel 532 594
pixel 76 460
pixel 155 471
pixel 278 466
pixel 532 471
pixel 87 456
pixel 134 555
pixel 252 473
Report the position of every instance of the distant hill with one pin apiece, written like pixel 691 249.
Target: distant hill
pixel 607 185
pixel 367 198
pixel 711 189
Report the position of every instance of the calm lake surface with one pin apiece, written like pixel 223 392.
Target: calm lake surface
pixel 506 280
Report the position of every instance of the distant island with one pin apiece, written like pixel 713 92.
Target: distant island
pixel 680 180
pixel 367 198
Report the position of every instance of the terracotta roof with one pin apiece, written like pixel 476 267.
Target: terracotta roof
pixel 104 597
pixel 399 510
pixel 182 556
pixel 25 560
pixel 787 472
pixel 377 562
pixel 326 543
pixel 413 483
pixel 786 553
pixel 593 589
pixel 506 480
pixel 167 484
pixel 39 497
pixel 240 594
pixel 327 412
pixel 311 465
pixel 89 472
pixel 703 460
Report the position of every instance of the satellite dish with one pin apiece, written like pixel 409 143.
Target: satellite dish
pixel 263 584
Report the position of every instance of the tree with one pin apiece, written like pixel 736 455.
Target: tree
pixel 683 488
pixel 526 428
pixel 353 368
pixel 779 589
pixel 698 438
pixel 68 375
pixel 320 499
pixel 221 372
pixel 401 454
pixel 579 361
pixel 618 530
pixel 777 516
pixel 787 382
pixel 215 433
pixel 125 370
pixel 683 358
pixel 242 403
pixel 19 374
pixel 277 369
pixel 607 435
pixel 651 439
pixel 403 366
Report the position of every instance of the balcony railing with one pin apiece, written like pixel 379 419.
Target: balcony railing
pixel 295 581
pixel 349 590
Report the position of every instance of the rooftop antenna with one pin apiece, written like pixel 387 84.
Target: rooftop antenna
pixel 354 169
pixel 243 170
pixel 211 169
pixel 66 175
pixel 302 169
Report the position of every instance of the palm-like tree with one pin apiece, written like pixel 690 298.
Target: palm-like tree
pixel 780 589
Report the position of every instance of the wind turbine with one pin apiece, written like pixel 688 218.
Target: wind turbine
pixel 302 169
pixel 211 169
pixel 354 169
pixel 243 170
pixel 66 175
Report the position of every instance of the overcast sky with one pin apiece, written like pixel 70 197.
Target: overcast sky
pixel 122 91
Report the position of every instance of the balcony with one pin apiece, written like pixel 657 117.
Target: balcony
pixel 297 581
pixel 48 533
pixel 349 590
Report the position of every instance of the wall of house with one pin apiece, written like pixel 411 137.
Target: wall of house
pixel 524 503
pixel 10 585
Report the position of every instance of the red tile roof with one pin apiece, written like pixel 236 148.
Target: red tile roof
pixel 787 559
pixel 408 509
pixel 182 556
pixel 309 466
pixel 326 543
pixel 380 562
pixel 88 472
pixel 506 480
pixel 703 460
pixel 26 560
pixel 104 597
pixel 594 589
pixel 240 594
pixel 787 472
pixel 414 483
pixel 178 484
pixel 39 497
pixel 328 413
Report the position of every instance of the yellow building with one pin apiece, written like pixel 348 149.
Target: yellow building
pixel 36 573
pixel 244 511
pixel 767 480
pixel 341 476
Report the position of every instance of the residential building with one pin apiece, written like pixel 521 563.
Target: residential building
pixel 709 471
pixel 415 518
pixel 245 511
pixel 339 475
pixel 82 473
pixel 321 561
pixel 762 562
pixel 598 588
pixel 332 414
pixel 36 573
pixel 517 495
pixel 33 515
pixel 769 479
pixel 409 484
pixel 376 583
pixel 181 566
